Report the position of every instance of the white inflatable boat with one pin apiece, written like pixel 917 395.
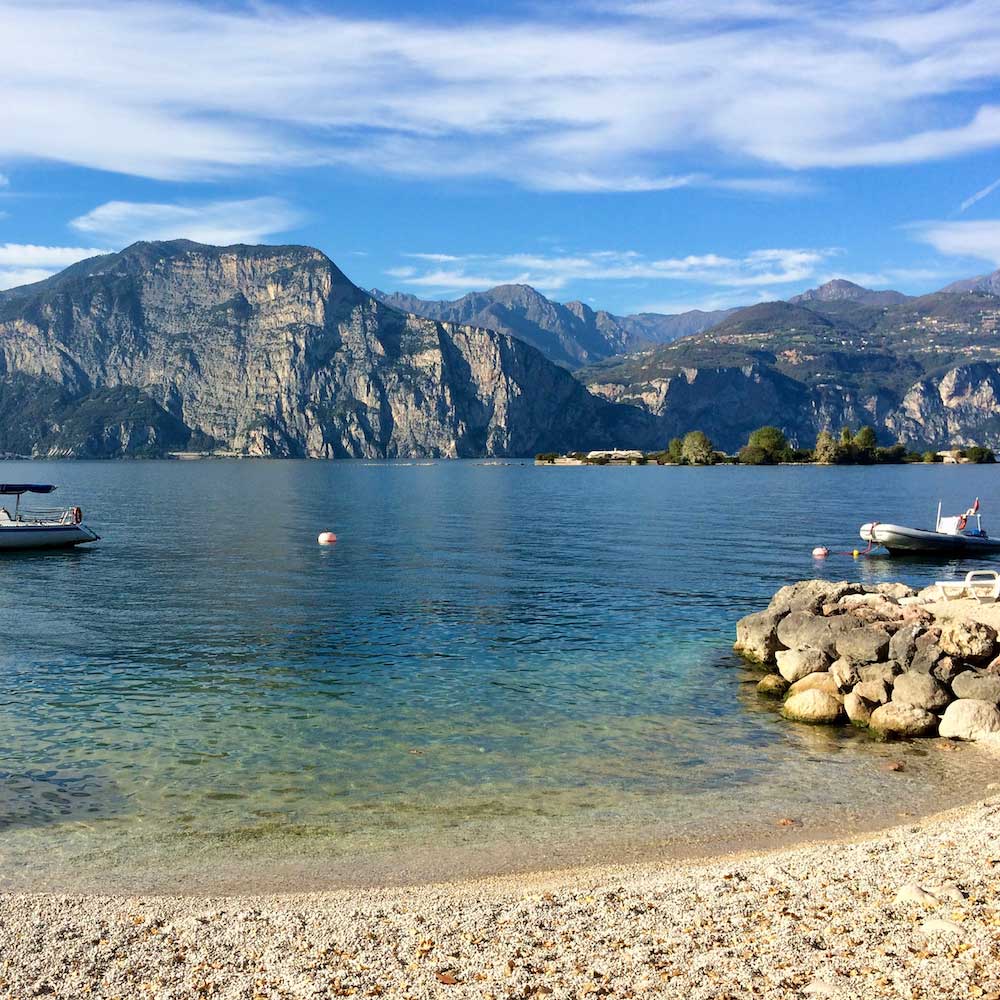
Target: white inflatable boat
pixel 959 535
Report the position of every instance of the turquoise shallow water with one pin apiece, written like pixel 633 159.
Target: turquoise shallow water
pixel 497 666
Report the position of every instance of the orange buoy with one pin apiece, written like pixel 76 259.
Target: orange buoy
pixel 820 552
pixel 326 538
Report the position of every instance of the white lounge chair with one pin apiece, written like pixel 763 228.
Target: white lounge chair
pixel 981 584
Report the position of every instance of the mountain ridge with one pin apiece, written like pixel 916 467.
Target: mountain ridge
pixel 571 334
pixel 271 351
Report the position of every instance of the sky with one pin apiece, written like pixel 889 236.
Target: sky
pixel 638 155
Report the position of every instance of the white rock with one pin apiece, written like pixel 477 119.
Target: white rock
pixel 970 719
pixel 913 893
pixel 939 926
pixel 820 988
pixel 948 890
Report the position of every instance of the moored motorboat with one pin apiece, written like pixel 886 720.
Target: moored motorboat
pixel 50 528
pixel 962 534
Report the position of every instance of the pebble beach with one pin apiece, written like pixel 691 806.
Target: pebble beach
pixel 913 912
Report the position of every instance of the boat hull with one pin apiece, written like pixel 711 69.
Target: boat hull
pixel 899 538
pixel 44 536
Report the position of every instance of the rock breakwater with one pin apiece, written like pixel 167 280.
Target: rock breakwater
pixel 901 663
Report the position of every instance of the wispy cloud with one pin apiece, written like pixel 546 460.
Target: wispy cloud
pixel 251 220
pixel 22 263
pixel 975 240
pixel 979 195
pixel 628 96
pixel 448 273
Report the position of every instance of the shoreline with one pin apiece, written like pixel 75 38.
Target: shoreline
pixel 822 917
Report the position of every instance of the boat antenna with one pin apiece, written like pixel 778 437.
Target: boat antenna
pixel 937 523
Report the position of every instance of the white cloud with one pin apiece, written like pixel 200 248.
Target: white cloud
pixel 553 272
pixel 22 263
pixel 979 195
pixel 251 220
pixel 641 95
pixel 979 240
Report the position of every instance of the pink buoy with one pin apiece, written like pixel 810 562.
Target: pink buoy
pixel 820 552
pixel 326 538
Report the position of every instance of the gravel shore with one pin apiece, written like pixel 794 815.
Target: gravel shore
pixel 913 912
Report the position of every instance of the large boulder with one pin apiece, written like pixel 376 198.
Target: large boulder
pixel 757 635
pixel 970 719
pixel 977 685
pixel 877 692
pixel 902 720
pixel 866 644
pixel 812 706
pixel 920 691
pixel 811 595
pixel 897 591
pixel 903 644
pixel 859 710
pixel 803 630
pixel 975 642
pixel 794 664
pixel 820 681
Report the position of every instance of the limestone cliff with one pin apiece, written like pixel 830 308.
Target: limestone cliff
pixel 271 351
pixel 960 406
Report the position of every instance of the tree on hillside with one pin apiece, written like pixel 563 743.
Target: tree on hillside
pixel 697 448
pixel 765 446
pixel 846 435
pixel 827 450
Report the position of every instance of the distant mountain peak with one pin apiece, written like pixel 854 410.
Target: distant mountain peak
pixel 988 284
pixel 842 290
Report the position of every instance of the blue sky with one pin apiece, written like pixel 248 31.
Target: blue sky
pixel 635 154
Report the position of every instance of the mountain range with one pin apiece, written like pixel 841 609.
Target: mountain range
pixel 271 350
pixel 571 334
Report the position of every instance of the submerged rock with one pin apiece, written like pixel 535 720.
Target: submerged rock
pixel 812 706
pixel 773 685
pixel 902 720
pixel 970 719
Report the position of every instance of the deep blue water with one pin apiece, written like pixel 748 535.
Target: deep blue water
pixel 495 665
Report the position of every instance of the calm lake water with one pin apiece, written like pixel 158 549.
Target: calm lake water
pixel 497 666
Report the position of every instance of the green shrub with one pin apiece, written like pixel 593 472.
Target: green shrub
pixel 547 456
pixel 978 455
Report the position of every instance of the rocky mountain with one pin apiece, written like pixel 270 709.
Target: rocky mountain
pixel 987 284
pixel 841 290
pixel 571 334
pixel 271 350
pixel 925 370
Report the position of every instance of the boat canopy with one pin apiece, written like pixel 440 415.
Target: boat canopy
pixel 16 489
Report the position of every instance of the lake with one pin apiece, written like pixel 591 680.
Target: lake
pixel 497 666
